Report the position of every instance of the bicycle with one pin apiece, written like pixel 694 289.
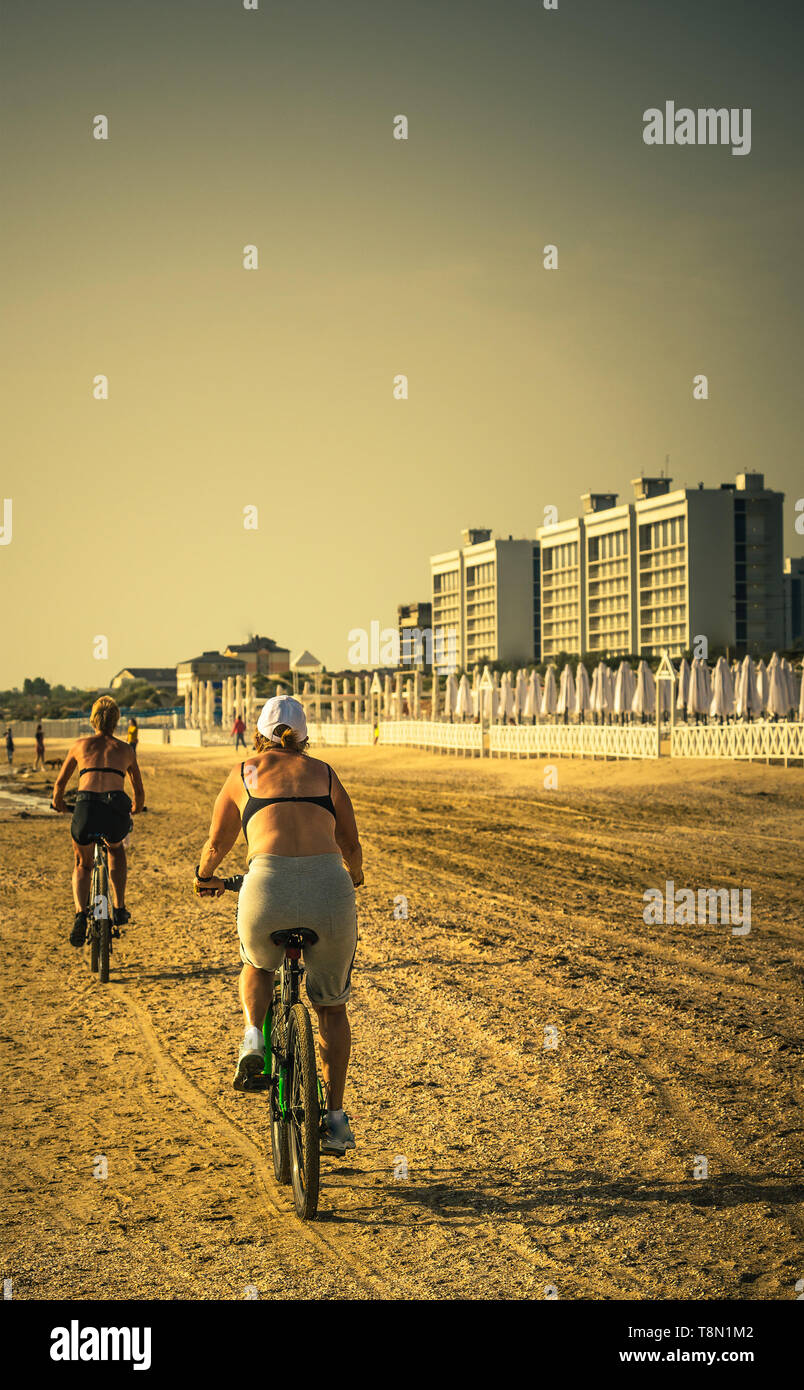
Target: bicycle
pixel 99 913
pixel 295 1094
pixel 99 925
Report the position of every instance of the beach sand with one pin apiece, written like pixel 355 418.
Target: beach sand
pixel 488 1165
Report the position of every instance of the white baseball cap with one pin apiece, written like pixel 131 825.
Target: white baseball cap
pixel 283 709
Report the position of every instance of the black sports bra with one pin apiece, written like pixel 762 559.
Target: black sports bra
pixel 256 803
pixel 103 769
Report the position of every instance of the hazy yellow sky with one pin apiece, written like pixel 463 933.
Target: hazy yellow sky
pixel 230 388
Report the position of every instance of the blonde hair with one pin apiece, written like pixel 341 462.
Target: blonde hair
pixel 287 739
pixel 104 715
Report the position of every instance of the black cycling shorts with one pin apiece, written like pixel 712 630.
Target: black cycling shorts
pixel 101 813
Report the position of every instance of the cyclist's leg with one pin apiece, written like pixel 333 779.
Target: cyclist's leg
pixel 330 910
pixel 82 874
pixel 255 987
pixel 334 1045
pixel 118 872
pixel 116 825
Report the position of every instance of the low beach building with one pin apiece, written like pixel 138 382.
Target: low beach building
pixel 262 656
pixel 163 677
pixel 209 666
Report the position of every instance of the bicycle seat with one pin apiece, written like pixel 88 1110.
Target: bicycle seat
pixel 295 936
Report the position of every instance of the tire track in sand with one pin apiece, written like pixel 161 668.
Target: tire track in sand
pixel 367 1278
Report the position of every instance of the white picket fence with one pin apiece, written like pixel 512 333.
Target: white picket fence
pixel 425 733
pixel 574 740
pixel 340 735
pixel 53 728
pixel 760 742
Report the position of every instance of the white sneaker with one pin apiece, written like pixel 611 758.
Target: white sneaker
pixel 251 1058
pixel 335 1133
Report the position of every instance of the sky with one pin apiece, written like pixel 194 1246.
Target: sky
pixel 273 388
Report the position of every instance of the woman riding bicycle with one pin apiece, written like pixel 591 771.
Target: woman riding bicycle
pixel 101 807
pixel 299 827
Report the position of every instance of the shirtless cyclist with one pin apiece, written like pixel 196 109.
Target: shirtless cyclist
pixel 101 806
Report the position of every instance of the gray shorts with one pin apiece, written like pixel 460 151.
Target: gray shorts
pixel 281 893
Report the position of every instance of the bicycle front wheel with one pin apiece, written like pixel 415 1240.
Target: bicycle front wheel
pixel 280 1143
pixel 305 1115
pixel 100 927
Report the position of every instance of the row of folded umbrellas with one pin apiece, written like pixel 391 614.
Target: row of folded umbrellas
pixel 741 690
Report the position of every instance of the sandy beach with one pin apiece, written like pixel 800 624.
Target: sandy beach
pixel 536 1072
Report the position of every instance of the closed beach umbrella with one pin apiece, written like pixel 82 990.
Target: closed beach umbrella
pixel 643 700
pixel 790 685
pixel 465 705
pixel 801 696
pixel 387 697
pixel 583 694
pixel 451 697
pixel 762 683
pixel 520 693
pixel 601 703
pixel 664 692
pixel 435 693
pixel 698 697
pixel 594 694
pixel 777 693
pixel 624 686
pixel 566 691
pixel 549 692
pixel 682 694
pixel 721 705
pixel 490 703
pixel 533 696
pixel 506 706
pixel 747 700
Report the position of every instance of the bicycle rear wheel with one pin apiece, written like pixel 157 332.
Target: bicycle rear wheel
pixel 305 1115
pixel 100 926
pixel 280 1143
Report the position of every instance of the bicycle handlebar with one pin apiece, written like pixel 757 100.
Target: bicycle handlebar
pixel 233 884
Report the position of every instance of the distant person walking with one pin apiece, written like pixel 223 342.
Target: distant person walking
pixel 133 734
pixel 9 747
pixel 239 729
pixel 40 749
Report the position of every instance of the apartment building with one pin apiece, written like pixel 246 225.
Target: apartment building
pixel 415 627
pixel 654 574
pixel 485 599
pixel 793 579
pixel 563 582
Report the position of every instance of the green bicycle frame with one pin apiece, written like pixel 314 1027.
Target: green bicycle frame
pixel 266 1067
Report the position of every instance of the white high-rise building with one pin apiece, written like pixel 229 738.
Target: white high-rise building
pixel 486 595
pixel 658 573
